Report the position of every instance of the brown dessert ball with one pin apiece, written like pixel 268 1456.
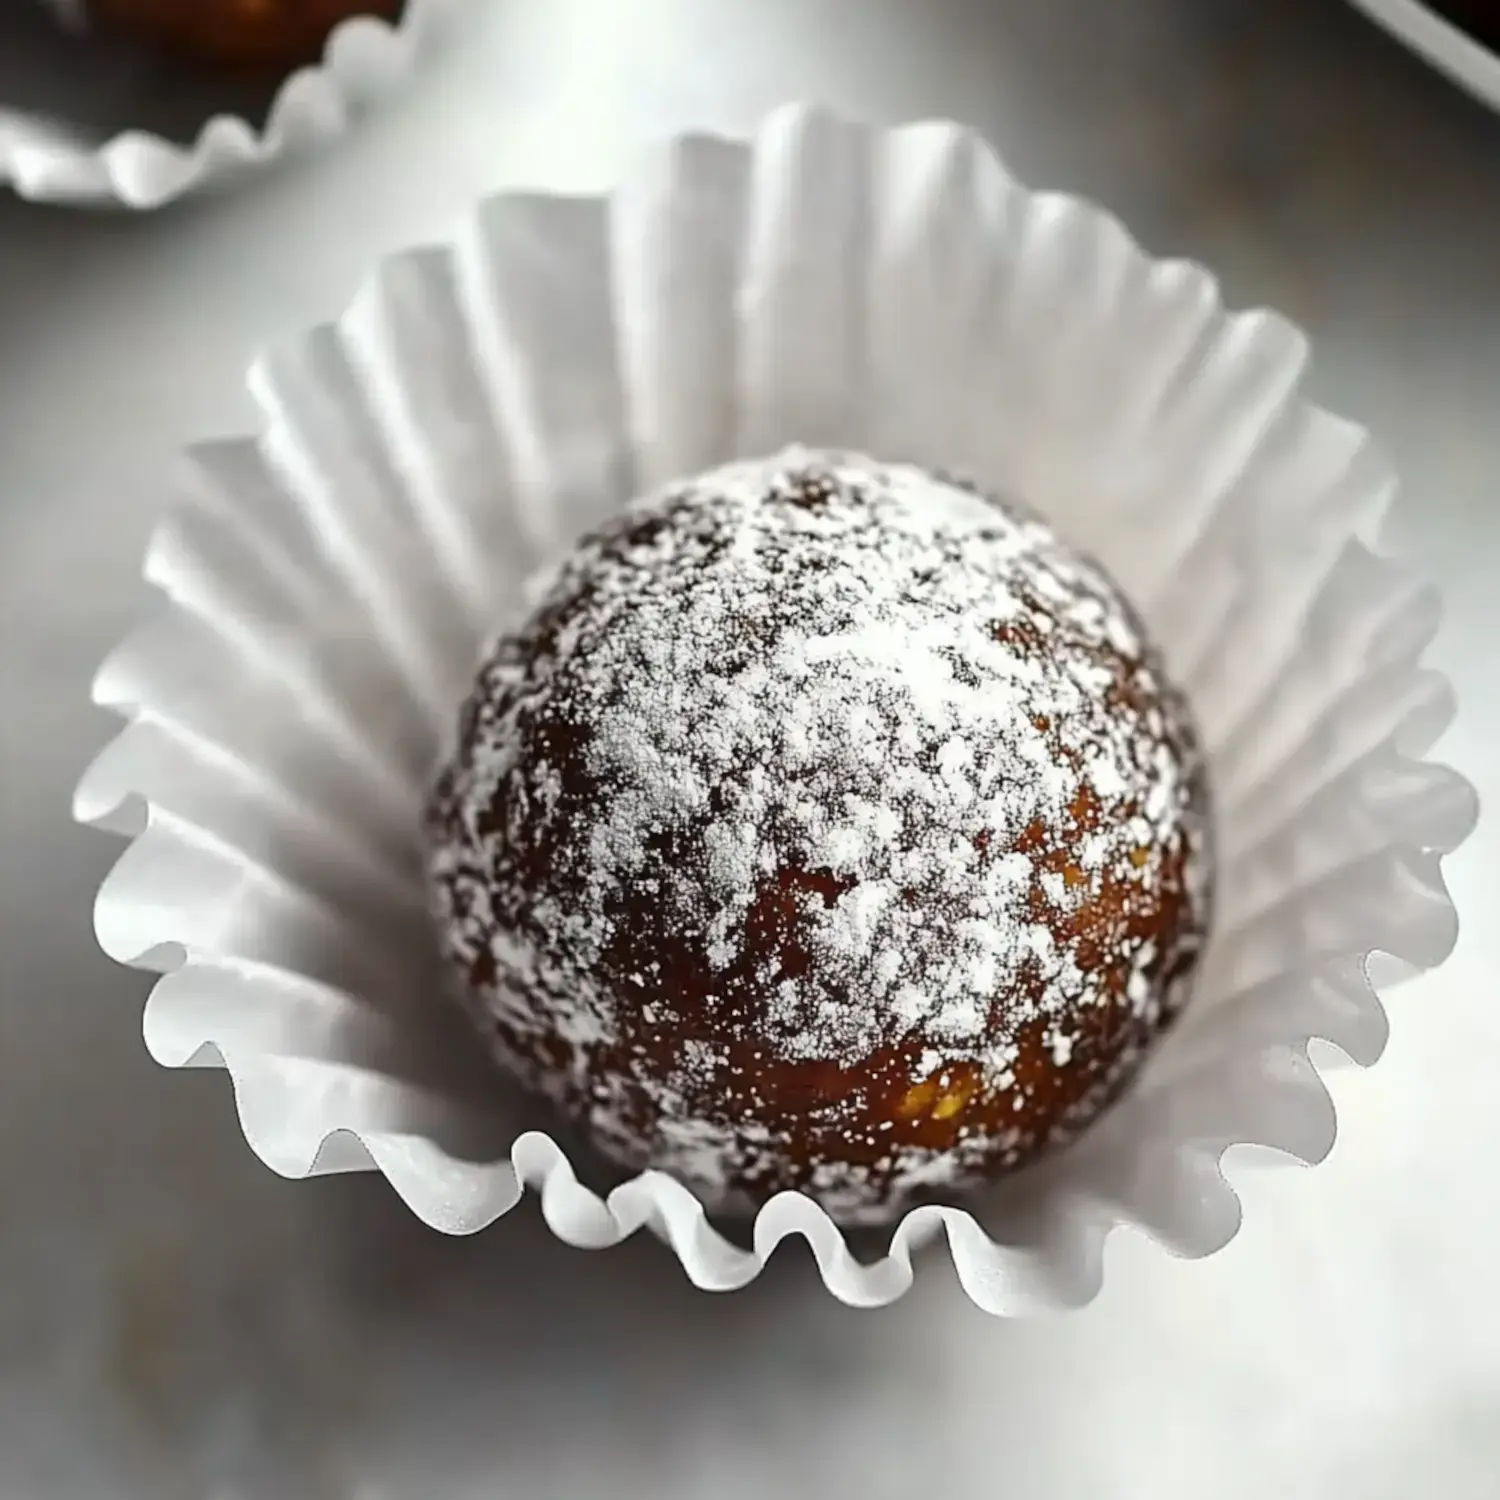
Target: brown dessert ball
pixel 828 826
pixel 236 33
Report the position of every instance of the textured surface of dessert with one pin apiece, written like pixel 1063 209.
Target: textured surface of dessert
pixel 829 827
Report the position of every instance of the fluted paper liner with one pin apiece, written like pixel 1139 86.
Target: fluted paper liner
pixel 328 587
pixel 366 58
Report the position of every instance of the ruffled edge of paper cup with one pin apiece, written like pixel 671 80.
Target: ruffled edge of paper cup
pixel 365 60
pixel 495 397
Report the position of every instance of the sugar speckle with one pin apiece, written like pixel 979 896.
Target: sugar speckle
pixel 805 812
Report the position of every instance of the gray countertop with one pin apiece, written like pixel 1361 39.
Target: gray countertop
pixel 176 1323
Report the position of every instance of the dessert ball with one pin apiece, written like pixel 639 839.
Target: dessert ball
pixel 828 826
pixel 237 33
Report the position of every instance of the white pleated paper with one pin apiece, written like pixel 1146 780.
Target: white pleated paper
pixel 327 587
pixel 48 161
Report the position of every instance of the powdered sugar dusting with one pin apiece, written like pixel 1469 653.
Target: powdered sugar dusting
pixel 820 805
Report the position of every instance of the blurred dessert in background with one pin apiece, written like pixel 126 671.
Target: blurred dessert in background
pixel 252 34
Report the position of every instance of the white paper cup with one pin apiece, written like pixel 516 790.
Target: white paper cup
pixel 51 150
pixel 329 585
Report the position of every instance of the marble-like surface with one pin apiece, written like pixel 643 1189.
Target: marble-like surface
pixel 178 1324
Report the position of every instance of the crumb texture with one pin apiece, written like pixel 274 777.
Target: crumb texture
pixel 827 826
